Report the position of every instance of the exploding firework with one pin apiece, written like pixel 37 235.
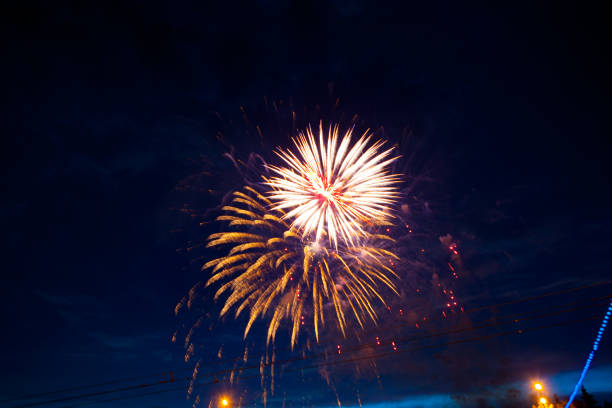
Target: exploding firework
pixel 271 268
pixel 334 189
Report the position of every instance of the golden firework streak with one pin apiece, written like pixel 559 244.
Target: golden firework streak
pixel 271 268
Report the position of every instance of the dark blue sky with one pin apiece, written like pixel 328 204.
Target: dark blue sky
pixel 110 103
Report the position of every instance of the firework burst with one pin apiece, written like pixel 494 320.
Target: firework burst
pixel 334 189
pixel 271 269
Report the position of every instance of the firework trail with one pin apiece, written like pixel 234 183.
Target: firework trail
pixel 333 189
pixel 270 268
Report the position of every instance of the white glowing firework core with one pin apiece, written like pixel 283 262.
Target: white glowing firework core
pixel 334 189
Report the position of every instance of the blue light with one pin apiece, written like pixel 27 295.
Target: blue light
pixel 590 358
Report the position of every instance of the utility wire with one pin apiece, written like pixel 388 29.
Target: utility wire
pixel 379 328
pixel 369 357
pixel 171 379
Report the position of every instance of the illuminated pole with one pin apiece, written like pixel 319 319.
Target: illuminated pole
pixel 602 328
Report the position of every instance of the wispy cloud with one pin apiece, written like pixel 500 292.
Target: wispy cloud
pixel 416 401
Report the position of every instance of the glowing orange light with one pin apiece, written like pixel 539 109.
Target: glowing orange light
pixel 224 402
pixel 543 400
pixel 538 386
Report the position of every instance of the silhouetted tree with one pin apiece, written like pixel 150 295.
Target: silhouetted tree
pixel 589 400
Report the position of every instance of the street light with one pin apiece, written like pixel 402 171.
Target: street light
pixel 542 401
pixel 224 402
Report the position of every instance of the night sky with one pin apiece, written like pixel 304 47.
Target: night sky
pixel 111 106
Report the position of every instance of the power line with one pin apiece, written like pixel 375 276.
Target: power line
pixel 492 306
pixel 526 299
pixel 94 394
pixel 362 345
pixel 473 339
pixel 379 328
pixel 83 387
pixel 370 357
pixel 310 357
pixel 509 319
pixel 504 320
